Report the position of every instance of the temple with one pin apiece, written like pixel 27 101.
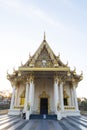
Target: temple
pixel 44 85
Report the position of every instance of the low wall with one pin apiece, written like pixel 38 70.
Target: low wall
pixel 4 111
pixel 83 112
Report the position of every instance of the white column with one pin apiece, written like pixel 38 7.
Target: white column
pixel 28 93
pixel 15 102
pixel 31 95
pixel 26 96
pixel 12 98
pixel 61 97
pixel 72 96
pixel 75 96
pixel 56 94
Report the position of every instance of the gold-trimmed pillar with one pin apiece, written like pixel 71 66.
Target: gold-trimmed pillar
pixel 26 96
pixel 56 94
pixel 12 98
pixel 75 95
pixel 72 96
pixel 61 97
pixel 31 93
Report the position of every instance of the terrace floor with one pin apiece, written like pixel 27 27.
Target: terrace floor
pixel 68 123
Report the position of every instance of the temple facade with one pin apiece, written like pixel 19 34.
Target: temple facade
pixel 44 85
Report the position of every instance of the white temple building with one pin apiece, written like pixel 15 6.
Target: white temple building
pixel 44 85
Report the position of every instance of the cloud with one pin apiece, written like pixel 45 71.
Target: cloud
pixel 29 11
pixel 9 3
pixel 35 13
pixel 67 2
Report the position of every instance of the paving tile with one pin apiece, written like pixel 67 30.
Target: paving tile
pixel 68 123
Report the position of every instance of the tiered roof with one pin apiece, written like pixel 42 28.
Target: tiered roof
pixel 44 59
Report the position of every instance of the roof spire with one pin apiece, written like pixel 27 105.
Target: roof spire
pixel 44 36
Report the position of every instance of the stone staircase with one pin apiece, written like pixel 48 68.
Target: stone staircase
pixel 44 116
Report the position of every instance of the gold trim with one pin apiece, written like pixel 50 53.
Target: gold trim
pixel 22 101
pixel 44 69
pixel 69 107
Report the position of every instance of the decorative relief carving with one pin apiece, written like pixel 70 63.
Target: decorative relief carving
pixel 44 95
pixel 31 79
pixel 65 94
pixel 44 59
pixel 56 79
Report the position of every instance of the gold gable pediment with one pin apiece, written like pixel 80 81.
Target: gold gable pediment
pixel 44 57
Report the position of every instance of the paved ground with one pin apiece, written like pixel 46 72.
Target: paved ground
pixel 16 123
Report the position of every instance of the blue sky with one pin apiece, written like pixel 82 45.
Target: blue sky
pixel 22 25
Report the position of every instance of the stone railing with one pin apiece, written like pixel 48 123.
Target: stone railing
pixel 69 107
pixel 4 111
pixel 18 107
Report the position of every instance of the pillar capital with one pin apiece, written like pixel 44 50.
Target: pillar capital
pixel 13 83
pixel 62 82
pixel 27 81
pixel 56 80
pixel 31 78
pixel 74 83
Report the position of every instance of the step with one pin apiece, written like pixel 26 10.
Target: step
pixel 44 116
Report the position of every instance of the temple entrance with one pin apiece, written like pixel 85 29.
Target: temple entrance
pixel 65 102
pixel 44 106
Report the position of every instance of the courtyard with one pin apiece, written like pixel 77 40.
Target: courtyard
pixel 68 123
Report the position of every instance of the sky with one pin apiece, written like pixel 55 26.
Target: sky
pixel 22 27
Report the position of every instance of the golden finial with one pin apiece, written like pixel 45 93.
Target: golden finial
pixel 21 63
pixel 59 55
pixel 7 75
pixel 68 73
pixel 74 71
pixel 44 36
pixel 74 68
pixel 29 55
pixel 81 73
pixel 67 63
pixel 7 72
pixel 13 69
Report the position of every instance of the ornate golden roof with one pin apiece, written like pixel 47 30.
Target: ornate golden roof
pixel 44 59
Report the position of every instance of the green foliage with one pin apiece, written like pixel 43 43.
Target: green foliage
pixel 82 104
pixel 4 106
